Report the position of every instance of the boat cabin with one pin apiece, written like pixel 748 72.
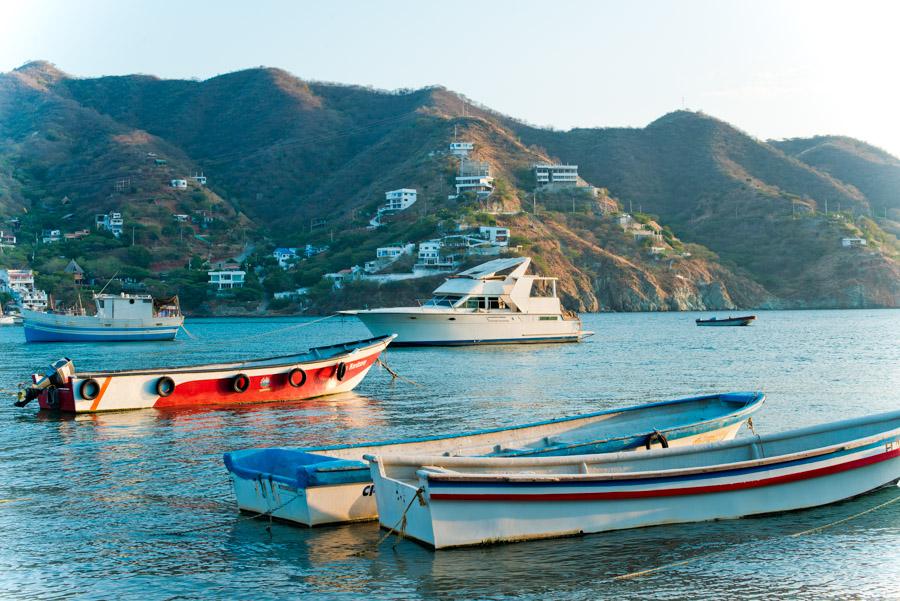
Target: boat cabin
pixel 499 285
pixel 134 306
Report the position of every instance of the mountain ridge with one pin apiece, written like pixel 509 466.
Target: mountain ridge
pixel 282 152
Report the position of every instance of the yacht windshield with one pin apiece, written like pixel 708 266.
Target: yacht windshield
pixel 442 301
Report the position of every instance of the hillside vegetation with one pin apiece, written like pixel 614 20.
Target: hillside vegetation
pixel 742 222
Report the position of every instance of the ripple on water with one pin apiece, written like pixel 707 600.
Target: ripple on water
pixel 93 505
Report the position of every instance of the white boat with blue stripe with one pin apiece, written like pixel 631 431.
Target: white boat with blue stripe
pixel 119 318
pixel 493 303
pixel 330 485
pixel 476 500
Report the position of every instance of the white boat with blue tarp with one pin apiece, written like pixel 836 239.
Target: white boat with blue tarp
pixel 119 318
pixel 479 500
pixel 332 484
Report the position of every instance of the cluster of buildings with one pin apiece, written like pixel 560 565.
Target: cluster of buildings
pixel 448 251
pixel 438 254
pixel 19 283
pixel 644 231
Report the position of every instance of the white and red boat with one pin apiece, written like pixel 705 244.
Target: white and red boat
pixel 317 372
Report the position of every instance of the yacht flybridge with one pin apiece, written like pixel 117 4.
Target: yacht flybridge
pixel 493 303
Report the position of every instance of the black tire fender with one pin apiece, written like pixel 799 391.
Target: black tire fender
pixel 165 386
pixel 340 371
pixel 296 377
pixel 240 383
pixel 657 436
pixel 90 389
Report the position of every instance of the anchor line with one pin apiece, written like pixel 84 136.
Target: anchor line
pixel 214 344
pixel 676 564
pixel 395 375
pixel 401 523
pixel 267 513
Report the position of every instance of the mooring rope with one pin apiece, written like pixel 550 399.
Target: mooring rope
pixel 238 520
pixel 676 564
pixel 230 342
pixel 401 523
pixel 395 375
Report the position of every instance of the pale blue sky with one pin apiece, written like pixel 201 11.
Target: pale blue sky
pixel 774 69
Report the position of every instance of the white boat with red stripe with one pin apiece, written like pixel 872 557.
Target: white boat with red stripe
pixel 317 372
pixel 458 501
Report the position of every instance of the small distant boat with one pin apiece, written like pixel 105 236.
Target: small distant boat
pixel 119 318
pixel 727 321
pixel 331 485
pixel 493 303
pixel 471 501
pixel 317 372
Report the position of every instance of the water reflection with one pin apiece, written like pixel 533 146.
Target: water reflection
pixel 138 504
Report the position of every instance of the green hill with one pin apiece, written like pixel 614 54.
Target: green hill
pixel 291 162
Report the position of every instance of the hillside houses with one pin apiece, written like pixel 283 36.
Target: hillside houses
pixel 386 255
pixel 111 222
pixel 51 236
pixel 20 284
pixel 7 239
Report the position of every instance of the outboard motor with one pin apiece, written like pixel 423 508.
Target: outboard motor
pixel 57 376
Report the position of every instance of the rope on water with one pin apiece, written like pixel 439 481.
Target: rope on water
pixel 676 564
pixel 401 523
pixel 395 375
pixel 240 519
pixel 230 342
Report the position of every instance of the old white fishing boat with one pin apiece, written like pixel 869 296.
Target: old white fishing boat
pixel 119 318
pixel 494 303
pixel 316 372
pixel 457 501
pixel 328 485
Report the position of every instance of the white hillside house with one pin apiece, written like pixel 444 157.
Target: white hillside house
pixel 853 242
pixel 227 279
pixel 474 176
pixel 399 200
pixel 179 184
pixel 498 236
pixel 547 173
pixel 461 149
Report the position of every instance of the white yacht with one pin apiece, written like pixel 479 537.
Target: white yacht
pixel 494 303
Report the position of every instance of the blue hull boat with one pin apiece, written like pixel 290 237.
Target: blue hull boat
pixel 332 484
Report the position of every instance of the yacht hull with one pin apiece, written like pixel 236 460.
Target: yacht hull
pixel 460 328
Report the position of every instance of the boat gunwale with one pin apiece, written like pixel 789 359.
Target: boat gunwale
pixel 361 345
pixel 450 475
pixel 747 406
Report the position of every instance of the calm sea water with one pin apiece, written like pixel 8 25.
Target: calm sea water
pixel 97 507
